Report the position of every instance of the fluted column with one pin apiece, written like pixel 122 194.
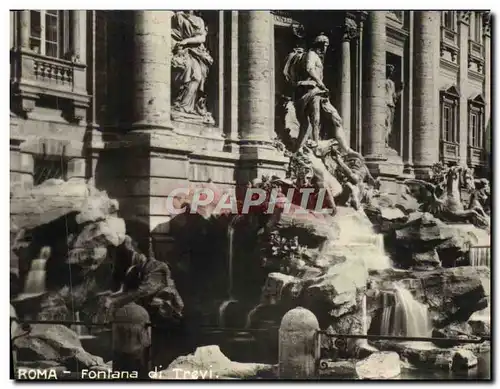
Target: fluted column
pixel 374 88
pixel 425 92
pixel 349 32
pixel 255 32
pixel 25 29
pixel 152 40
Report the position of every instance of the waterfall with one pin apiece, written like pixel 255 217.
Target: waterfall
pixel 35 280
pixel 230 236
pixel 364 323
pixel 230 299
pixel 388 302
pixel 251 313
pixel 357 237
pixel 402 315
pixel 480 256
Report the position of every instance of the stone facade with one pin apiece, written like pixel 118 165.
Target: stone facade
pixel 97 103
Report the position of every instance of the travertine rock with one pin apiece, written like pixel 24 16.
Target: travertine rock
pixel 379 366
pixel 54 343
pixel 208 362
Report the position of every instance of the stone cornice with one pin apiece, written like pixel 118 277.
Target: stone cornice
pixel 445 64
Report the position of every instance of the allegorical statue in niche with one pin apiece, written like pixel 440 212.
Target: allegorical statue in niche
pixel 392 96
pixel 304 71
pixel 191 63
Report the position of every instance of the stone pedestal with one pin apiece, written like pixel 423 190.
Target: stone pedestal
pixel 298 345
pixel 425 93
pixel 140 170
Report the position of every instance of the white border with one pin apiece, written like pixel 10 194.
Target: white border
pixel 187 4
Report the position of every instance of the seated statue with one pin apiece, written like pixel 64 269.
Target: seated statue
pixel 304 73
pixel 146 282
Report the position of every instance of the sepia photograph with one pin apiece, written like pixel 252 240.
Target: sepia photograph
pixel 258 195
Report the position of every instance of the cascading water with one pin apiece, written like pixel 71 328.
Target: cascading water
pixel 357 238
pixel 364 323
pixel 480 256
pixel 35 280
pixel 402 315
pixel 230 300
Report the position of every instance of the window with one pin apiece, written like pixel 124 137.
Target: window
pixel 475 129
pixel 49 32
pixel 46 168
pixel 448 122
pixel 448 20
pixel 476 122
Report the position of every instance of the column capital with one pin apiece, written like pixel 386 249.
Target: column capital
pixel 464 16
pixel 349 29
pixel 487 23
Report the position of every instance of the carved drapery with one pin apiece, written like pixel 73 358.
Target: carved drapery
pixel 191 64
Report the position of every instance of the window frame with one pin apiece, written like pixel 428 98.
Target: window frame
pixel 476 134
pixel 449 133
pixel 64 31
pixel 453 20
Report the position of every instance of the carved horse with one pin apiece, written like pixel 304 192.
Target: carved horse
pixel 449 206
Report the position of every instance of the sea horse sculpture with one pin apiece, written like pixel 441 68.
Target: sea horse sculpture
pixel 480 197
pixel 449 206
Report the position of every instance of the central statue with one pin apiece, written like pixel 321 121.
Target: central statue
pixel 304 71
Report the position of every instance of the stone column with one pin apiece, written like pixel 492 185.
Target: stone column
pixel 463 109
pixel 152 60
pixel 359 82
pixel 75 38
pixel 255 76
pixel 374 88
pixel 349 33
pixel 25 29
pixel 408 101
pixel 78 43
pixel 425 92
pixel 255 97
